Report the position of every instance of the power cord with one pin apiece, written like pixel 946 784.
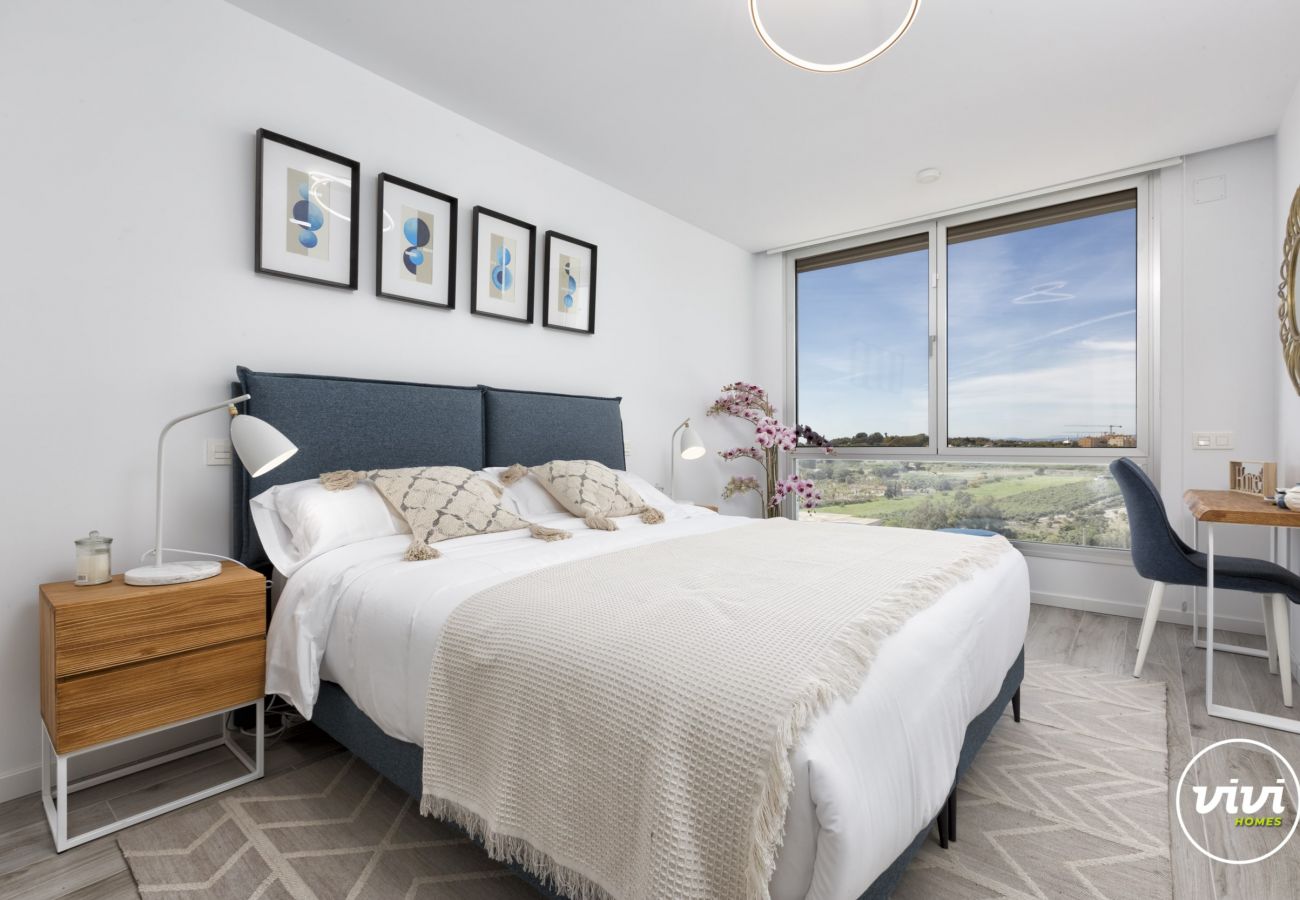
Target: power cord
pixel 152 550
pixel 289 717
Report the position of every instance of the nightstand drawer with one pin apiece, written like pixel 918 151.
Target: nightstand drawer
pixel 104 705
pixel 125 624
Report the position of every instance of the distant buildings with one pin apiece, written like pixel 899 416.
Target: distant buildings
pixel 1109 439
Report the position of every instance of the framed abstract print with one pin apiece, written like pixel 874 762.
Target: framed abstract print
pixel 501 280
pixel 305 225
pixel 569 284
pixel 416 257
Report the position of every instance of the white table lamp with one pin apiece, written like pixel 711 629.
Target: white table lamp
pixel 260 448
pixel 686 444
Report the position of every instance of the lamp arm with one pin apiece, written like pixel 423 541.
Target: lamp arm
pixel 162 439
pixel 672 460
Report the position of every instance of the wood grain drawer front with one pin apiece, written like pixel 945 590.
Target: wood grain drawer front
pixel 147 625
pixel 101 706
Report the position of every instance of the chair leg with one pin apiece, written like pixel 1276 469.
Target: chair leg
pixel 1269 640
pixel 1282 639
pixel 1149 624
pixel 1015 706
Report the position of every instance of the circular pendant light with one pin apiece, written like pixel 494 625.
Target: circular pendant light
pixel 830 67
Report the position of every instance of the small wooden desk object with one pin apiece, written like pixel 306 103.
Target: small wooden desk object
pixel 1235 508
pixel 120 661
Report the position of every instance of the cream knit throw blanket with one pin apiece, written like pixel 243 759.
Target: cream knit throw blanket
pixel 621 726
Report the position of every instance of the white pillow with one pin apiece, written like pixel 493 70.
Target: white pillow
pixel 528 498
pixel 532 501
pixel 649 493
pixel 300 521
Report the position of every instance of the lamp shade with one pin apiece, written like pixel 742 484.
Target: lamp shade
pixel 689 444
pixel 261 447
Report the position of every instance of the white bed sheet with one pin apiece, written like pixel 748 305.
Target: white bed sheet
pixel 868 774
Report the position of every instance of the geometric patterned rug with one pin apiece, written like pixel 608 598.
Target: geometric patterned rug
pixel 1071 802
pixel 333 830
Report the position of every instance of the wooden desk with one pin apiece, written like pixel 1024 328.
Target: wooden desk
pixel 1233 508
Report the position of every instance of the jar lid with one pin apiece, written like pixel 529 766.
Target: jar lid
pixel 94 539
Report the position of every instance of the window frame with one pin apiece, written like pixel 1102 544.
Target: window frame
pixel 1146 187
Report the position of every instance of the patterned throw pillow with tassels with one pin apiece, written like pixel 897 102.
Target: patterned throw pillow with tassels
pixel 441 502
pixel 589 490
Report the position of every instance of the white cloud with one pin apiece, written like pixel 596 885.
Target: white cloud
pixel 1107 346
pixel 1047 401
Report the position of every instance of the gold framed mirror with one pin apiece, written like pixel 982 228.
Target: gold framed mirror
pixel 1290 333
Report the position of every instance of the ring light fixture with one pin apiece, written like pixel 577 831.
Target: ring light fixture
pixel 810 66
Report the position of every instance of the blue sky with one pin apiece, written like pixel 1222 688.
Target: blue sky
pixel 1041 336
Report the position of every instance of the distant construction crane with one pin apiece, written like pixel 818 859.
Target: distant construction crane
pixel 1110 429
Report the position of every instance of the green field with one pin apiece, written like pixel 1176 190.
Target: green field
pixel 1063 504
pixel 994 490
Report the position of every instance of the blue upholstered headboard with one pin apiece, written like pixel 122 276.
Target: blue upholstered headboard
pixel 356 423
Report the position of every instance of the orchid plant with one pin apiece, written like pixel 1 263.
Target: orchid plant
pixel 771 438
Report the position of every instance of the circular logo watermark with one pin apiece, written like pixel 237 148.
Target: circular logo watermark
pixel 1261 807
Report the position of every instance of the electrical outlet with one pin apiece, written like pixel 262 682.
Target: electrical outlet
pixel 216 452
pixel 627 448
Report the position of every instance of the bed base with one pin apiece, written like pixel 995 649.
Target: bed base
pixel 400 762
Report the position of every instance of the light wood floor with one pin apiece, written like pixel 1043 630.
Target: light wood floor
pixel 1110 643
pixel 29 868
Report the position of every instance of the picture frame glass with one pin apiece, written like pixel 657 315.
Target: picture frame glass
pixel 416 255
pixel 568 293
pixel 503 268
pixel 305 206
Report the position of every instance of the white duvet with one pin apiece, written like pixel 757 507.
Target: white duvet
pixel 868 775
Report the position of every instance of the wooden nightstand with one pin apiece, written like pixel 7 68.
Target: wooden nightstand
pixel 120 661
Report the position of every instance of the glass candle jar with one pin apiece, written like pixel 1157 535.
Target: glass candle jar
pixel 94 559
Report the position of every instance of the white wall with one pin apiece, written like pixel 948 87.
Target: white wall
pixel 129 295
pixel 1216 365
pixel 1288 404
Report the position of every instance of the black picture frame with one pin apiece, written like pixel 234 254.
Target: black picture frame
pixel 386 179
pixel 479 213
pixel 546 284
pixel 261 265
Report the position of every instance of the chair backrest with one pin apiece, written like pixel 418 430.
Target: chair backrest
pixel 1158 553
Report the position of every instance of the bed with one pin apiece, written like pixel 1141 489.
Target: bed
pixel 870 774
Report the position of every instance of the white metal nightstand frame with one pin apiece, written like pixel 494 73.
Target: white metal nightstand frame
pixel 55 791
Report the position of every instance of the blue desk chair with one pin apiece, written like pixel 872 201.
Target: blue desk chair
pixel 1161 556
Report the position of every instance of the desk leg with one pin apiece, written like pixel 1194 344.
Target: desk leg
pixel 1248 716
pixel 1270 638
pixel 1197 642
pixel 1196 592
pixel 1209 620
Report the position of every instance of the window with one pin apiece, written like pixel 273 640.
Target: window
pixel 864 338
pixel 980 370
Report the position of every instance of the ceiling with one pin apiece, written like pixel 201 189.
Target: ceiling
pixel 678 103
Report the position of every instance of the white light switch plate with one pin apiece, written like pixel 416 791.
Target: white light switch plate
pixel 1213 440
pixel 216 452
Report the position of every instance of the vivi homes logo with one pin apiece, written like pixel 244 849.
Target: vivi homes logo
pixel 1264 803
